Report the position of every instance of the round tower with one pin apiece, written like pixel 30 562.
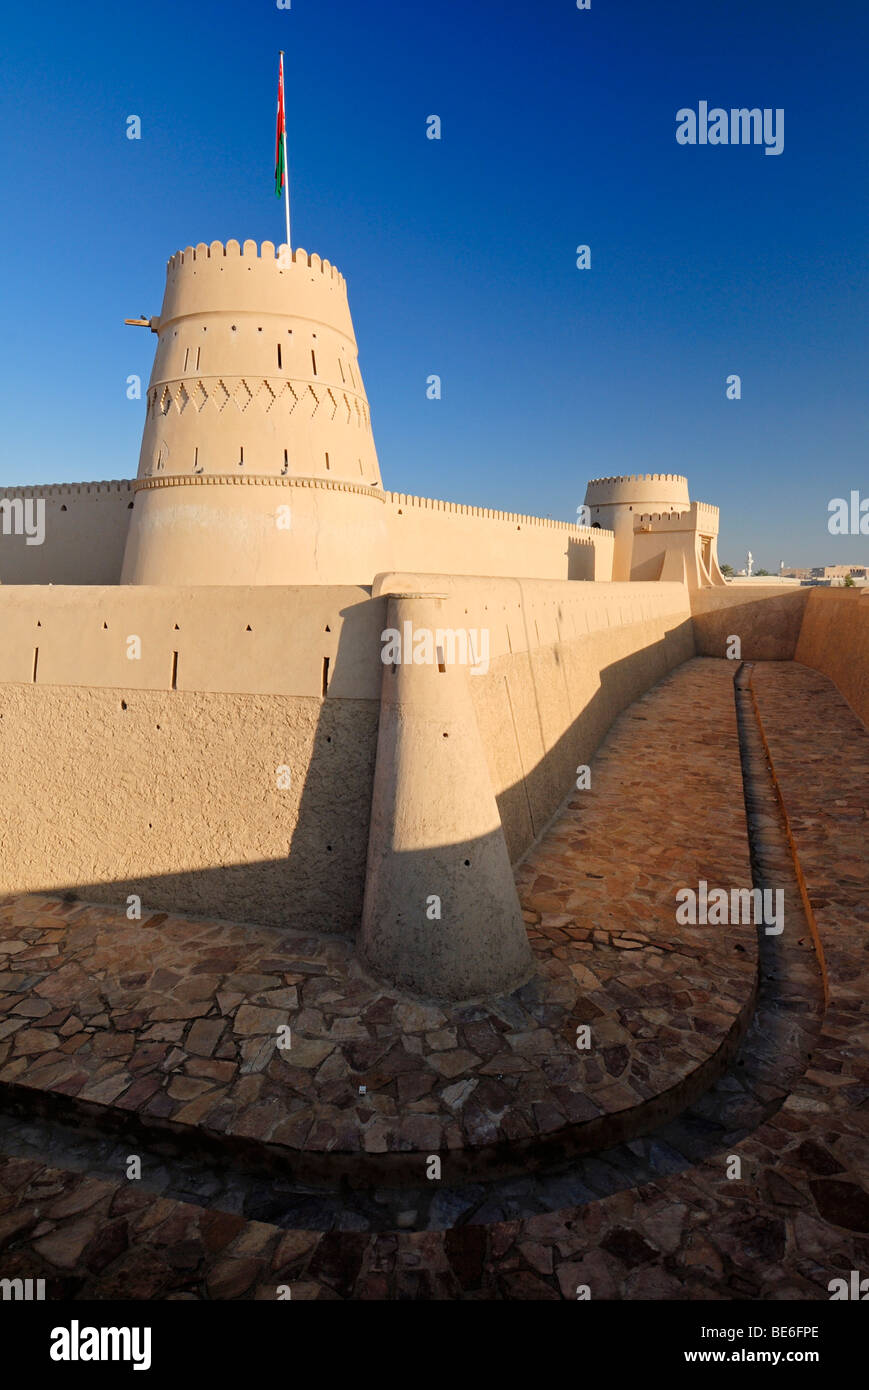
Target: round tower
pixel 258 463
pixel 614 502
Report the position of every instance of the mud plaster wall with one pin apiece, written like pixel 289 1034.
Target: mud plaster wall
pixel 766 619
pixel 173 796
pixel 118 788
pixel 86 528
pixel 834 639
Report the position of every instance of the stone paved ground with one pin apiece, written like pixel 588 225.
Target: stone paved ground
pixel 797 1217
pixel 177 1020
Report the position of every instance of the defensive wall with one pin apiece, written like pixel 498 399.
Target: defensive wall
pixel 85 532
pixel 766 617
pixel 139 775
pixel 456 539
pixel 86 527
pixel 834 639
pixel 226 766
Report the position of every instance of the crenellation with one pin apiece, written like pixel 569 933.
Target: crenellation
pixel 244 405
pixel 68 489
pixel 487 513
pixel 290 698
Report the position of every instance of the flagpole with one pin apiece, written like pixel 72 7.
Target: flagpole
pixel 286 166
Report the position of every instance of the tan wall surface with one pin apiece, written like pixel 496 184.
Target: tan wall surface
pixel 834 639
pixel 173 796
pixel 565 659
pixel 85 533
pixel 82 638
pixel 113 783
pixel 336 536
pixel 256 369
pixel 766 619
pixel 449 538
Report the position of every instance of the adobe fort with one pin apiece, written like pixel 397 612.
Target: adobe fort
pixel 414 784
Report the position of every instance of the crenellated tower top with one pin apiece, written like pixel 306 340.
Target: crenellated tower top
pixel 256 370
pixel 255 381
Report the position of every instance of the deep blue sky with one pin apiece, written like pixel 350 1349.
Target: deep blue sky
pixel 558 129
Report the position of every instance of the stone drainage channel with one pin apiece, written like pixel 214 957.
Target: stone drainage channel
pixel 775 1051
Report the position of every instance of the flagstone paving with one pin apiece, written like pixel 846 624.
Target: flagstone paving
pixel 178 1021
pixel 796 1216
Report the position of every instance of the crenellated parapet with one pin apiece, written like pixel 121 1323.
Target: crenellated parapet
pixel 256 379
pixel 639 492
pixel 64 533
pixel 244 278
pixel 256 368
pixel 641 477
pixel 700 516
pixel 401 500
pixel 249 251
pixel 60 490
pixel 659 532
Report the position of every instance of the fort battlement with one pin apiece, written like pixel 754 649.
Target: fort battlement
pixel 400 500
pixel 640 478
pixel 658 491
pixel 660 516
pixel 68 489
pixel 255 379
pixel 700 516
pixel 247 279
pixel 84 528
pixel 268 254
pixel 641 506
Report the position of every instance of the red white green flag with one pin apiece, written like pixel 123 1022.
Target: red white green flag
pixel 280 160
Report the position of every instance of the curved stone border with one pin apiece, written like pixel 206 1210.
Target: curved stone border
pixel 187 1037
pixel 798 1217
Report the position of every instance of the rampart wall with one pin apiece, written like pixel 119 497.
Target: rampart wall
pixel 451 538
pixel 85 533
pixel 564 661
pixel 159 775
pixel 86 528
pixel 766 619
pixel 834 639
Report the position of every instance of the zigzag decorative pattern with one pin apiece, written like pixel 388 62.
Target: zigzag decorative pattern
pixel 244 392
